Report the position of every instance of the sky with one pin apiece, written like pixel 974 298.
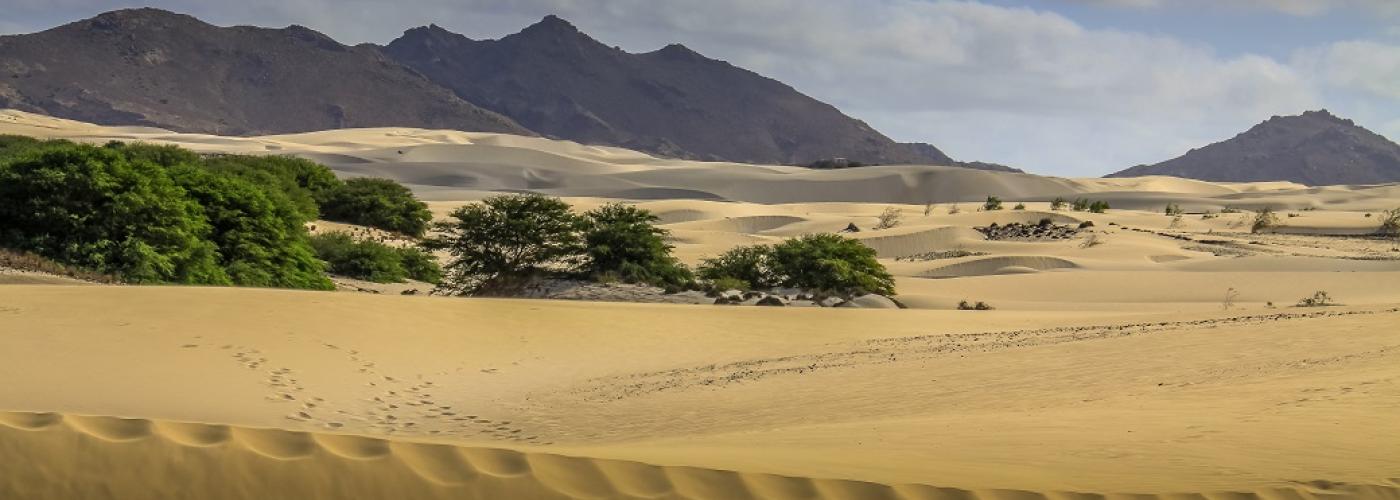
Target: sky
pixel 1063 87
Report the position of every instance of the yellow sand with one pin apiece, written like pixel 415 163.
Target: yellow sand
pixel 1113 369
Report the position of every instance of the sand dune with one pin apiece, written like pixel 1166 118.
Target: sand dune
pixel 449 165
pixel 327 394
pixel 1143 357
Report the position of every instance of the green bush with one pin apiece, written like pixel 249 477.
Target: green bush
pixel 746 264
pixel 307 184
pixel 1057 204
pixel 623 241
pixel 93 208
pixel 727 283
pixel 366 260
pixel 380 203
pixel 829 263
pixel 420 265
pixel 155 214
pixel 1098 207
pixel 1174 209
pixel 1019 206
pixel 992 203
pixel 260 234
pixel 374 261
pixel 500 243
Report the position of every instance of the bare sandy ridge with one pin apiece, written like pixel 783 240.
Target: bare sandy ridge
pixel 1280 404
pixel 272 463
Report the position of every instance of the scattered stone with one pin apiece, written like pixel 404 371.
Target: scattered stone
pixel 1044 230
pixel 871 301
pixel 771 300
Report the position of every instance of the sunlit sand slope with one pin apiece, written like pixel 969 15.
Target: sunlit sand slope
pixel 333 395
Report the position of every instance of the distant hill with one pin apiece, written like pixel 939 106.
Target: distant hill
pixel 152 67
pixel 558 81
pixel 1315 148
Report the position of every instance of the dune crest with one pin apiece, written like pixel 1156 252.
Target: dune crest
pixel 151 453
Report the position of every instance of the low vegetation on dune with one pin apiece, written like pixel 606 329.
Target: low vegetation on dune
pixel 163 214
pixel 1390 224
pixel 505 242
pixel 374 261
pixel 826 263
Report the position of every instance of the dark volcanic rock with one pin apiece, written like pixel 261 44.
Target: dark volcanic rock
pixel 1315 148
pixel 675 102
pixel 152 67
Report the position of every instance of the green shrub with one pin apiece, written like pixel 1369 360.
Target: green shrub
pixel 366 260
pixel 992 203
pixel 154 214
pixel 727 283
pixel 1098 207
pixel 307 184
pixel 420 265
pixel 1057 204
pixel 1019 206
pixel 1174 209
pixel 260 234
pixel 380 203
pixel 1080 205
pixel 93 208
pixel 623 240
pixel 829 263
pixel 500 243
pixel 745 264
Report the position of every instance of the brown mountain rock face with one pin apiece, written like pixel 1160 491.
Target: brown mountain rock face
pixel 152 67
pixel 558 81
pixel 1315 148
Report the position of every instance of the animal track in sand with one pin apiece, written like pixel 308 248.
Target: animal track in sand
pixel 911 349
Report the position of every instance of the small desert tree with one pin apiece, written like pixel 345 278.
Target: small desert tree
pixel 889 218
pixel 740 267
pixel 1098 207
pixel 500 243
pixel 1390 224
pixel 1264 219
pixel 992 203
pixel 830 263
pixel 1057 204
pixel 1173 210
pixel 623 241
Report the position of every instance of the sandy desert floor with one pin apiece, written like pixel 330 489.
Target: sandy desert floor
pixel 1107 369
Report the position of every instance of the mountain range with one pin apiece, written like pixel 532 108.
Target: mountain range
pixel 1315 148
pixel 158 68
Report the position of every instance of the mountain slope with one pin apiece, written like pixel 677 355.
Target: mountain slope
pixel 1315 148
pixel 556 80
pixel 152 67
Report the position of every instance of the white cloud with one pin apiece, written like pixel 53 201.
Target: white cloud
pixel 1364 66
pixel 1291 7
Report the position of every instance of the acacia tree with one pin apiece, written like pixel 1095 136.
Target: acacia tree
pixel 830 263
pixel 623 240
pixel 497 245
